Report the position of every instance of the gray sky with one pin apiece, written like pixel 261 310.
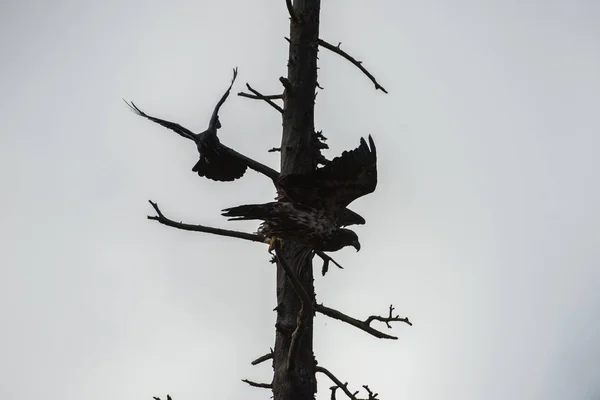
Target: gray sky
pixel 483 229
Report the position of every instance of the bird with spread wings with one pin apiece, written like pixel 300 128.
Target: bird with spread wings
pixel 312 207
pixel 216 161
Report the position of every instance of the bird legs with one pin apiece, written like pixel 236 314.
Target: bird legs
pixel 275 243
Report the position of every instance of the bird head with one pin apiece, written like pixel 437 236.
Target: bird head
pixel 350 238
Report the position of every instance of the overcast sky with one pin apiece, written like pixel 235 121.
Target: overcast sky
pixel 483 230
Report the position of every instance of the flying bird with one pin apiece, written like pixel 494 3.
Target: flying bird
pixel 337 184
pixel 217 162
pixel 312 207
pixel 312 227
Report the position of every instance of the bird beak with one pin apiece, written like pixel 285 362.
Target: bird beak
pixel 356 246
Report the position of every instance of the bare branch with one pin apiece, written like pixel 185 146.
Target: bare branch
pixel 388 319
pixel 344 386
pixel 337 50
pixel 339 384
pixel 260 96
pixel 333 389
pixel 372 396
pixel 258 385
pixel 264 358
pixel 363 325
pixel 255 97
pixel 201 228
pixel 291 10
pixel 274 149
pixel 253 237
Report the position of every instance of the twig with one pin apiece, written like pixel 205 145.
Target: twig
pixel 201 228
pixel 339 384
pixel 287 85
pixel 366 324
pixel 274 149
pixel 333 389
pixel 388 319
pixel 258 385
pixel 337 50
pixel 266 96
pixel 372 396
pixel 306 306
pixel 260 96
pixel 264 358
pixel 291 10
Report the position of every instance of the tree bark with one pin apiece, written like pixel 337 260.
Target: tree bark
pixel 297 155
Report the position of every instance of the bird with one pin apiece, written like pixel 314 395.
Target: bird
pixel 312 227
pixel 334 186
pixel 312 207
pixel 217 162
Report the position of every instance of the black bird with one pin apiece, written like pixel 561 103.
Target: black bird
pixel 216 160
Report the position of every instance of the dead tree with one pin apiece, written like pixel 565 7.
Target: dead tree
pixel 294 364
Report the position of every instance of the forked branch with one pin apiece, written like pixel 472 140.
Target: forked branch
pixel 344 386
pixel 260 96
pixel 366 324
pixel 338 50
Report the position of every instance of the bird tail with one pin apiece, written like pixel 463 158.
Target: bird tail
pixel 221 167
pixel 250 211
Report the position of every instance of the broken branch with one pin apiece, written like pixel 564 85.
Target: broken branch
pixel 366 324
pixel 264 358
pixel 255 97
pixel 257 384
pixel 337 50
pixel 260 96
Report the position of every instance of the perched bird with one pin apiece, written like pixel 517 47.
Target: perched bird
pixel 312 227
pixel 217 161
pixel 312 207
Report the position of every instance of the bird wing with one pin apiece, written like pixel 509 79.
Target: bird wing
pixel 214 123
pixel 180 130
pixel 339 182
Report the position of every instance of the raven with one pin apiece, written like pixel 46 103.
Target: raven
pixel 217 162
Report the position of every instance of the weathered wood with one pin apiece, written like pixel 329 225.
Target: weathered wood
pixel 297 155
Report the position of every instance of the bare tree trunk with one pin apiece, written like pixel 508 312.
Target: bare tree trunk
pixel 297 155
